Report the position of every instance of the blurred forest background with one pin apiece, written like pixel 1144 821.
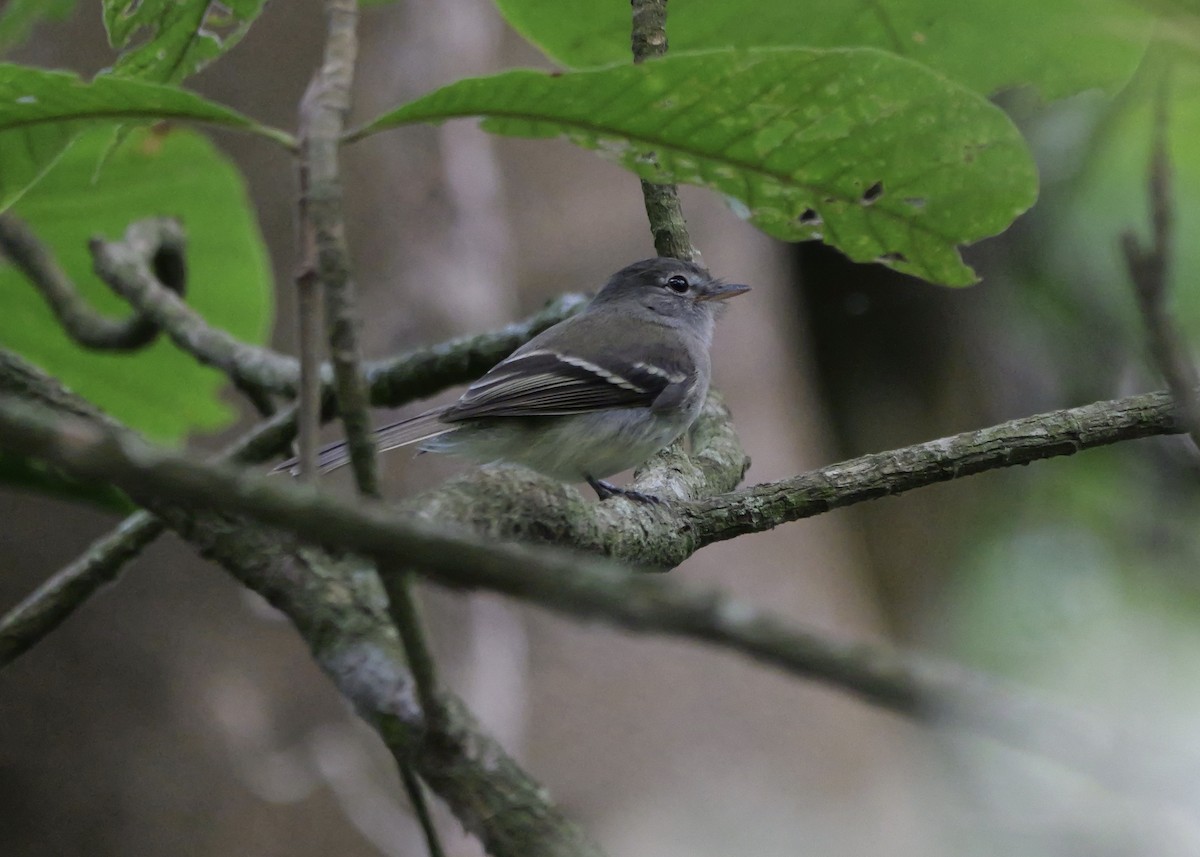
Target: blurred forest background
pixel 178 714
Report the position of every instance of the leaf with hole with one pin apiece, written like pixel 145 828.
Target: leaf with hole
pixel 179 37
pixel 871 153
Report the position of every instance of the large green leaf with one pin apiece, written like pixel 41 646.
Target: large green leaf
pixel 159 390
pixel 179 36
pixel 42 111
pixel 19 17
pixel 1059 46
pixel 874 154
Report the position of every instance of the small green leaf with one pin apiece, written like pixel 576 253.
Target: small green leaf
pixel 873 154
pixel 1058 46
pixel 180 36
pixel 19 17
pixel 159 390
pixel 42 111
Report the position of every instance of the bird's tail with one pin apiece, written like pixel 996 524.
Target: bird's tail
pixel 413 430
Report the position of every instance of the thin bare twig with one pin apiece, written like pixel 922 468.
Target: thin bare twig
pixel 309 388
pixel 1149 266
pixel 80 321
pixel 125 266
pixel 148 270
pixel 323 249
pixel 61 595
pixel 649 40
pixel 322 120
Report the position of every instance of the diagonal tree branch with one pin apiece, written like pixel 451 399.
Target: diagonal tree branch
pixel 885 474
pixel 338 606
pixel 48 606
pixel 71 587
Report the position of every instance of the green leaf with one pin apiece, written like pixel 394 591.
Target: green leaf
pixel 1178 23
pixel 20 17
pixel 179 36
pixel 874 154
pixel 159 390
pixel 32 97
pixel 1058 46
pixel 42 111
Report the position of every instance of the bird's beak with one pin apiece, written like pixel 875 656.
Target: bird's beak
pixel 722 291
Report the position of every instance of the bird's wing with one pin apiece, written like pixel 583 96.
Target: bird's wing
pixel 549 382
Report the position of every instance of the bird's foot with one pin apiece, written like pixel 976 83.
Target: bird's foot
pixel 605 490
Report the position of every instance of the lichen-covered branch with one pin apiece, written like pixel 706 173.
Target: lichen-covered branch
pixel 884 474
pixel 516 504
pixel 338 607
pixel 520 505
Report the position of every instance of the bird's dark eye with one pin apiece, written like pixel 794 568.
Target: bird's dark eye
pixel 678 284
